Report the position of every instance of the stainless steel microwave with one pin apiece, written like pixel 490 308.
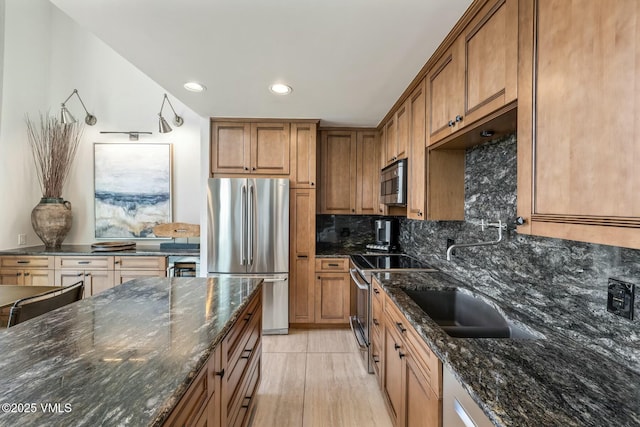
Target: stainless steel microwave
pixel 393 184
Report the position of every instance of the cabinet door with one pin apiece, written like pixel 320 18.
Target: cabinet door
pixel 100 280
pixel 303 155
pixel 445 93
pixel 367 173
pixel 392 371
pixel 270 148
pixel 391 140
pixel 417 162
pixel 11 277
pixel 140 263
pixel 402 118
pixel 332 298
pixel 230 147
pixel 422 408
pixel 338 172
pixel 382 136
pixel 302 216
pixel 491 57
pixel 578 148
pixel 39 277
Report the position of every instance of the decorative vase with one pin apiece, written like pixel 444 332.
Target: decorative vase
pixel 51 220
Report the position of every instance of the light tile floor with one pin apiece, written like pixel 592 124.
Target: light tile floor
pixel 315 378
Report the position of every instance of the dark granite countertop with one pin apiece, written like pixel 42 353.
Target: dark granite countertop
pixel 123 357
pixel 552 381
pixel 86 250
pixel 324 250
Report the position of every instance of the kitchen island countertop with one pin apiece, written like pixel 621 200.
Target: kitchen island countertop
pixel 552 381
pixel 123 357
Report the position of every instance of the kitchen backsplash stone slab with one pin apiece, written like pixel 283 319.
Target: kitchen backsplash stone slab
pixel 351 231
pixel 571 276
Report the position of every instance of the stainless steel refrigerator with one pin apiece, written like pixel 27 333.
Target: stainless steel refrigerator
pixel 248 222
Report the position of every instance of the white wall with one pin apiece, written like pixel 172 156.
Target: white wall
pixel 63 57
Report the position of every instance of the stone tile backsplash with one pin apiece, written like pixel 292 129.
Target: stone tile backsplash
pixel 570 275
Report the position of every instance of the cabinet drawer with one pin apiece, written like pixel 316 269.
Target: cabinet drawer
pixel 378 294
pixel 140 263
pixel 26 262
pixel 239 409
pixel 85 262
pixel 240 359
pixel 376 317
pixel 192 403
pixel 234 338
pixel 332 264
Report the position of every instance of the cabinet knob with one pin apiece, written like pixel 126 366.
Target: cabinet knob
pixel 520 220
pixel 18 274
pixel 246 169
pixel 312 184
pixel 353 210
pixel 458 118
pixel 26 274
pixel 419 213
pixel 451 123
pixel 253 169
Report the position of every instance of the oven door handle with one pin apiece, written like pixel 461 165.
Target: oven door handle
pixel 354 276
pixel 357 331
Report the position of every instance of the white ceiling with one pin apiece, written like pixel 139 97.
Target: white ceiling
pixel 348 61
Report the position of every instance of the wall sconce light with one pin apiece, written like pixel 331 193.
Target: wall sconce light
pixel 163 126
pixel 66 117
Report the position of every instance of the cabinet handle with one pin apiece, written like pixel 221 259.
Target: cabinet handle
pixel 248 403
pixel 80 274
pixel 458 118
pixel 248 317
pixel 520 220
pixel 401 355
pixel 247 356
pixel 220 373
pixel 116 262
pixel 26 274
pixel 84 262
pixel 376 290
pixel 303 256
pixel 375 358
pixel 419 213
pixel 87 274
pixel 23 261
pixel 18 274
pixel 318 277
pixel 375 322
pixel 400 327
pixel 333 265
pixel 451 123
pixel 396 346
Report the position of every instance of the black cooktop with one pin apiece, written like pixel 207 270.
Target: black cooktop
pixel 389 262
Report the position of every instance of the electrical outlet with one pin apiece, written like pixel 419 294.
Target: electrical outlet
pixel 620 299
pixel 451 242
pixel 22 239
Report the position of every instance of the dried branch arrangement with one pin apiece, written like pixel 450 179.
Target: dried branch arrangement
pixel 54 147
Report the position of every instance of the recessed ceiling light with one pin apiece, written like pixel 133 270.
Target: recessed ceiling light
pixel 280 89
pixel 194 87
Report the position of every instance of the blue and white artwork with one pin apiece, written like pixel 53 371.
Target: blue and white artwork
pixel 132 189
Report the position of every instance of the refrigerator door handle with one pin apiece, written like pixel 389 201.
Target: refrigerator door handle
pixel 243 224
pixel 251 223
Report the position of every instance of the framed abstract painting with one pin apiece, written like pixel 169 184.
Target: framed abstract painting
pixel 132 189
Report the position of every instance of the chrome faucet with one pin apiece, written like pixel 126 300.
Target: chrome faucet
pixel 499 225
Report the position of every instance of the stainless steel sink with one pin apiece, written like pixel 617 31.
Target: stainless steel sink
pixel 463 315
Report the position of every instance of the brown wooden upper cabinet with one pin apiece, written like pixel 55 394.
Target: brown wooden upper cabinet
pixel 250 148
pixel 396 144
pixel 579 120
pixel 477 74
pixel 416 181
pixel 303 155
pixel 349 172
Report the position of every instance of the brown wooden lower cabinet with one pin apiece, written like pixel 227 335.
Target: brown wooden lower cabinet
pixel 411 375
pixel 223 392
pixel 332 291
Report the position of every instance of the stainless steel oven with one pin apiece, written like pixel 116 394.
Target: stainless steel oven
pixel 360 288
pixel 362 267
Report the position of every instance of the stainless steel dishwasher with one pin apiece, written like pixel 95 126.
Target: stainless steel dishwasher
pixel 458 408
